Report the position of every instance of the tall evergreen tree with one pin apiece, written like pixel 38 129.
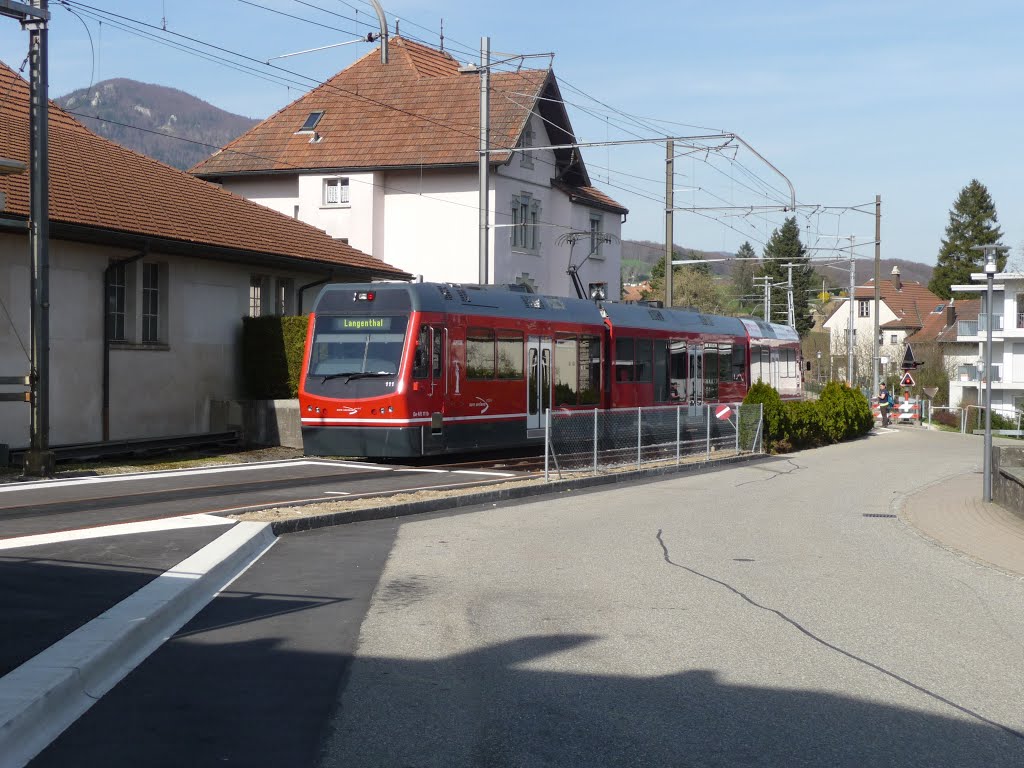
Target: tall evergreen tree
pixel 972 221
pixel 784 247
pixel 742 277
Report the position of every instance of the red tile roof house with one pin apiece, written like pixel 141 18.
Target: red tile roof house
pixel 186 261
pixel 908 312
pixel 385 156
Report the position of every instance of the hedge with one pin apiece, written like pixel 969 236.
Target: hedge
pixel 272 350
pixel 840 413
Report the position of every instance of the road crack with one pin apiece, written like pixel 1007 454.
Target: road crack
pixel 773 473
pixel 807 633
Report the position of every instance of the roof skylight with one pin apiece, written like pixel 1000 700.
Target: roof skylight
pixel 311 121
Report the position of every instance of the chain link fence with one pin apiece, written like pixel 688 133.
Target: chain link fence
pixel 598 441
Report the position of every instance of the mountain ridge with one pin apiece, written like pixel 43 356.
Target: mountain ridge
pixel 165 116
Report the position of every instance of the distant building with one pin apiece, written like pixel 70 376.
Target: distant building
pixel 908 311
pixel 1007 346
pixel 384 157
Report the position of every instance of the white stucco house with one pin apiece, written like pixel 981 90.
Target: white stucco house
pixel 1007 345
pixel 151 271
pixel 908 312
pixel 385 157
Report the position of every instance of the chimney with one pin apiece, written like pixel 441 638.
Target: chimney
pixel 896 278
pixel 950 314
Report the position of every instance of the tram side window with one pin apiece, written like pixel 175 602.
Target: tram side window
pixel 510 355
pixel 421 357
pixel 566 367
pixel 624 360
pixel 479 353
pixel 437 360
pixel 678 360
pixel 644 353
pixel 589 368
pixel 661 387
pixel 739 364
pixel 711 369
pixel 725 362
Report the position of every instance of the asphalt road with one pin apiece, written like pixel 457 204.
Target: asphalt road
pixel 41 507
pixel 764 615
pixel 749 617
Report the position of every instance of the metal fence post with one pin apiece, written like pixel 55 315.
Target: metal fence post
pixel 639 412
pixel 707 445
pixel 760 427
pixel 678 420
pixel 595 441
pixel 547 441
pixel 738 407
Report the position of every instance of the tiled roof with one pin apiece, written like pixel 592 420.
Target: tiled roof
pixel 416 110
pixel 102 186
pixel 590 196
pixel 966 309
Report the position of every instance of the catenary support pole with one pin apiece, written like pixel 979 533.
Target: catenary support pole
pixel 484 169
pixel 39 460
pixel 850 330
pixel 670 153
pixel 876 342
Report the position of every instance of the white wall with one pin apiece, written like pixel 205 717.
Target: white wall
pixel 427 222
pixel 155 390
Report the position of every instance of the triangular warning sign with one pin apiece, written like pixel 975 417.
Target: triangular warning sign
pixel 907 380
pixel 908 359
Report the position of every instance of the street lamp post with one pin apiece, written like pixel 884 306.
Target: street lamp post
pixel 990 272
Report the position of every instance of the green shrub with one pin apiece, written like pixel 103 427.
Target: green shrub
pixel 804 417
pixel 844 412
pixel 272 351
pixel 775 427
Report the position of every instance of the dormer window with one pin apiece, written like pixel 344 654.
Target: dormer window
pixel 311 121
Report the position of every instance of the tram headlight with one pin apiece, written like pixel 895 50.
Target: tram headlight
pixel 391 409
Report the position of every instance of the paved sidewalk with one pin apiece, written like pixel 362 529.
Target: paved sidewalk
pixel 951 513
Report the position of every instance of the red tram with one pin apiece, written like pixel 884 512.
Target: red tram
pixel 400 370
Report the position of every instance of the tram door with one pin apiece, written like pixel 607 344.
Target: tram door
pixel 429 381
pixel 538 382
pixel 695 386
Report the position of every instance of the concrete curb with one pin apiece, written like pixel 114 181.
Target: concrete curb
pixel 299 524
pixel 46 694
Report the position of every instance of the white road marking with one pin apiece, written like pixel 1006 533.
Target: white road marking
pixel 491 474
pixel 337 493
pixel 120 529
pixel 47 693
pixel 99 479
pixel 414 469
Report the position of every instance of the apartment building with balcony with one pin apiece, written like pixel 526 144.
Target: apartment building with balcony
pixel 1007 372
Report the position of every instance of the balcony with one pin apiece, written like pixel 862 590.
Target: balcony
pixel 967 328
pixel 969 373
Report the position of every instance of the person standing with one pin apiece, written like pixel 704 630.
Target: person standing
pixel 884 403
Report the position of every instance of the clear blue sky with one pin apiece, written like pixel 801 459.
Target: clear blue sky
pixel 909 99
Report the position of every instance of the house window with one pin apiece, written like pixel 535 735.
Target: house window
pixel 336 191
pixel 864 308
pixel 311 121
pixel 525 222
pixel 255 296
pixel 595 234
pixel 894 339
pixel 283 298
pixel 117 296
pixel 151 303
pixel 526 158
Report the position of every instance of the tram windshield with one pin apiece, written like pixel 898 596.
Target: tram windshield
pixel 350 348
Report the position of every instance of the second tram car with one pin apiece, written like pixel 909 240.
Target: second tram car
pixel 399 370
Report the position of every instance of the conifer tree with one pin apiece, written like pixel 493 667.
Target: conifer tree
pixel 784 247
pixel 972 221
pixel 743 271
